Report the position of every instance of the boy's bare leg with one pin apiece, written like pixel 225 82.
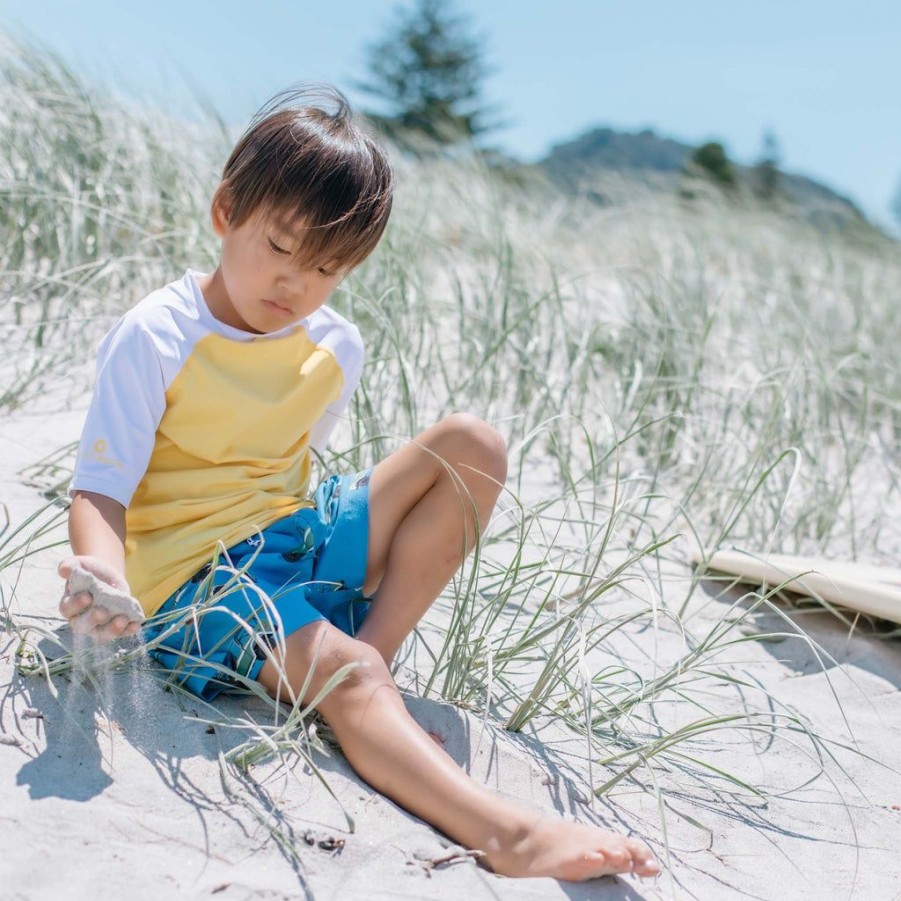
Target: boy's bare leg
pixel 419 513
pixel 388 749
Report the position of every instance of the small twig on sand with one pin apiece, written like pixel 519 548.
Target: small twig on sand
pixel 454 856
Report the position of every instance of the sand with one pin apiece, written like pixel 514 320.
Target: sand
pixel 116 789
pixel 116 602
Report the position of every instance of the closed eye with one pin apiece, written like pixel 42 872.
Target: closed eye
pixel 275 247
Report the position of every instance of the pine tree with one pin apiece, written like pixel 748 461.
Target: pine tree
pixel 766 170
pixel 428 73
pixel 896 204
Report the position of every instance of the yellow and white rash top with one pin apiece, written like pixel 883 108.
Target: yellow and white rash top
pixel 202 431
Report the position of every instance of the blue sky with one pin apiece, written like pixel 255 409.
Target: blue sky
pixel 825 76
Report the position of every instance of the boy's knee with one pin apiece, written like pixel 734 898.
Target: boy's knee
pixel 365 666
pixel 479 445
pixel 318 654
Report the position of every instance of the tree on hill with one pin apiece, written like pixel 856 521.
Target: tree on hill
pixel 710 160
pixel 896 204
pixel 428 71
pixel 766 176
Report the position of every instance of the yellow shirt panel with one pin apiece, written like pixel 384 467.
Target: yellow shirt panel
pixel 230 457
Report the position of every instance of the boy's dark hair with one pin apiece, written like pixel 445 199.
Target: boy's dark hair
pixel 305 164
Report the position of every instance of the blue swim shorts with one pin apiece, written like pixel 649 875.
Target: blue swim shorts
pixel 305 567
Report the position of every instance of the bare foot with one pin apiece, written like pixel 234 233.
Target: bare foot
pixel 438 738
pixel 572 851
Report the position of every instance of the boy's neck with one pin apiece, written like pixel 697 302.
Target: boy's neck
pixel 213 289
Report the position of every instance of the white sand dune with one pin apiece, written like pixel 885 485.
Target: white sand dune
pixel 117 791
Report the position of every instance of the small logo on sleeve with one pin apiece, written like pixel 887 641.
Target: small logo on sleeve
pixel 97 453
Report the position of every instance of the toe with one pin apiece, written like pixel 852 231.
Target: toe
pixel 617 859
pixel 648 867
pixel 643 861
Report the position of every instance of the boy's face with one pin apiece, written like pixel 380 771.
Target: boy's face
pixel 259 286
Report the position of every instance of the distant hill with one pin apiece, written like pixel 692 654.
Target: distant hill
pixel 603 163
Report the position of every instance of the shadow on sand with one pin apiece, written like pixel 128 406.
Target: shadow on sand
pixel 864 646
pixel 85 716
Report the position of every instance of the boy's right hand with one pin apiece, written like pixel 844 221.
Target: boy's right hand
pixel 90 618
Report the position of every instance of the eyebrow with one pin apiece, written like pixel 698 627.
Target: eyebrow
pixel 283 230
pixel 287 228
pixel 284 225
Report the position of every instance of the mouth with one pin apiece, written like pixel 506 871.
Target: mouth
pixel 277 308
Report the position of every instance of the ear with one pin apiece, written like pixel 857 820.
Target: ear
pixel 220 211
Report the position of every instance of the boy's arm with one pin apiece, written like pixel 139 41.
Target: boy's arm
pixel 350 354
pixel 97 529
pixel 116 444
pixel 97 536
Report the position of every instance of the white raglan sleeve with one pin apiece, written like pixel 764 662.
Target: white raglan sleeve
pixel 127 405
pixel 350 355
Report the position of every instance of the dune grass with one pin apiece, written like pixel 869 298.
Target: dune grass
pixel 670 379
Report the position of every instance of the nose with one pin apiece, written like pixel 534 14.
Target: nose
pixel 293 284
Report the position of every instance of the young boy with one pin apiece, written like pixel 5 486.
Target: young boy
pixel 210 395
